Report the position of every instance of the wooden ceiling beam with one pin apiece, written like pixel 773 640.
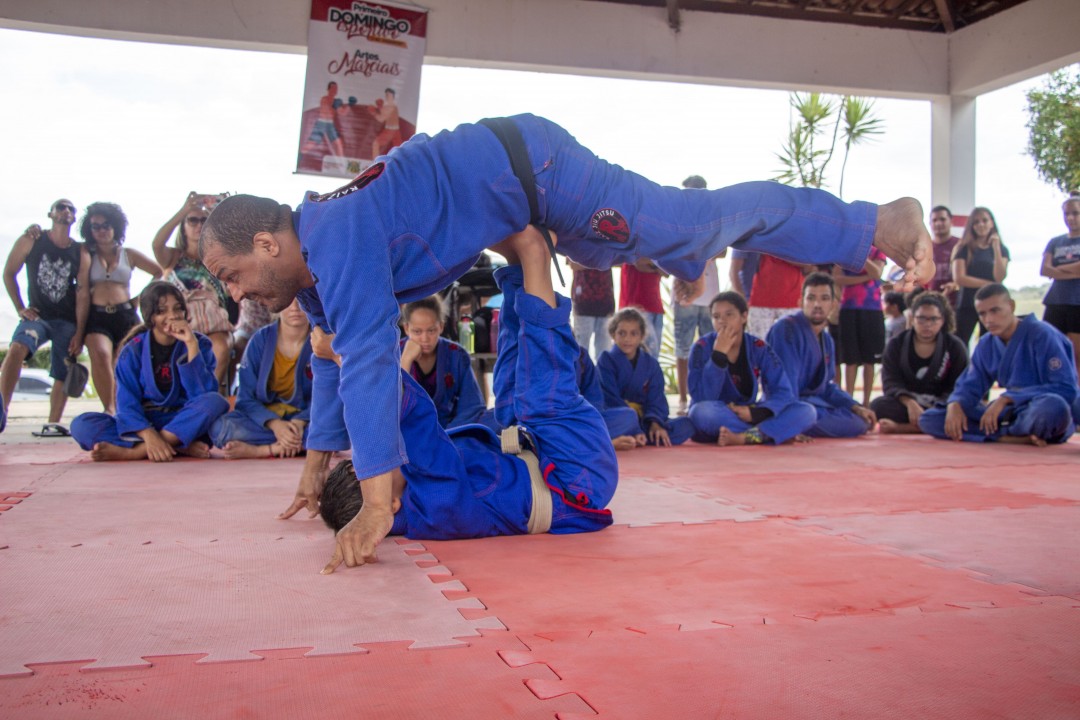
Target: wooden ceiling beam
pixel 946 12
pixel 674 20
pixel 903 8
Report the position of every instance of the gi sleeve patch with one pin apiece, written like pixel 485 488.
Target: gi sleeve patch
pixel 610 225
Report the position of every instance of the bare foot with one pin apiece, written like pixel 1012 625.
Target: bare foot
pixel 236 450
pixel 104 451
pixel 890 427
pixel 1022 440
pixel 901 234
pixel 197 449
pixel 803 439
pixel 730 438
pixel 624 442
pixel 641 439
pixel 529 249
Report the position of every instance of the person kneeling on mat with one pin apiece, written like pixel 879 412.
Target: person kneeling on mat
pixel 554 472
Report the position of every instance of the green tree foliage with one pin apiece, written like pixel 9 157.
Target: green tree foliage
pixel 1054 127
pixel 819 122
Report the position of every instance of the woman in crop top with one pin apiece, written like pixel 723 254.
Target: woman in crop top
pixel 112 310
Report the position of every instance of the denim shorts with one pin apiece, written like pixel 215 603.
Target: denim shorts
pixel 35 333
pixel 688 320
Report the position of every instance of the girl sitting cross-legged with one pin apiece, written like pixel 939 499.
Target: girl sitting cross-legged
pixel 729 368
pixel 631 377
pixel 166 392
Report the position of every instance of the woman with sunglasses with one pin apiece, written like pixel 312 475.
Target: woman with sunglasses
pixel 205 296
pixel 920 366
pixel 112 310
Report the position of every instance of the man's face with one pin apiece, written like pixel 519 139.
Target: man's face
pixel 258 275
pixel 817 302
pixel 997 313
pixel 941 224
pixel 1072 217
pixel 63 212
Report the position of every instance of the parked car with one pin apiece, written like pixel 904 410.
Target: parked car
pixel 34 384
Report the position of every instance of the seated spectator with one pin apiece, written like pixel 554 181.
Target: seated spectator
pixel 253 317
pixel 631 377
pixel 166 392
pixel 895 314
pixel 740 393
pixel 862 325
pixel 273 403
pixel 442 367
pixel 1032 360
pixel 920 367
pixel 461 485
pixel 622 422
pixel 112 313
pixel 806 351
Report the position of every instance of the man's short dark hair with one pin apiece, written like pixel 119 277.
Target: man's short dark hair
pixel 113 215
pixel 941 208
pixel 391 91
pixel 733 298
pixel 989 291
pixel 817 279
pixel 331 84
pixel 341 498
pixel 695 181
pixel 236 219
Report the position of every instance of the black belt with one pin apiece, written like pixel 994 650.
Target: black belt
pixel 510 138
pixel 110 309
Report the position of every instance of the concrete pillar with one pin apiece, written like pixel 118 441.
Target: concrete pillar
pixel 952 152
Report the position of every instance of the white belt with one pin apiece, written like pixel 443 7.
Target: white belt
pixel 540 515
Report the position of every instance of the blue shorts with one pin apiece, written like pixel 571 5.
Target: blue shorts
pixel 323 129
pixel 35 333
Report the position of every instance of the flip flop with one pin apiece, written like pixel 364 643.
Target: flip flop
pixel 52 430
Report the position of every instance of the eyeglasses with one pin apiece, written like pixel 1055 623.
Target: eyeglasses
pixel 100 227
pixel 928 319
pixel 196 220
pixel 64 206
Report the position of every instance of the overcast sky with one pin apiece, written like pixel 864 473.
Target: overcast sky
pixel 142 124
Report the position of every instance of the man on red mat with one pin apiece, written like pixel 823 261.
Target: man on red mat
pixel 555 471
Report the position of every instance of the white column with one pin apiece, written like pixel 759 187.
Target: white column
pixel 952 152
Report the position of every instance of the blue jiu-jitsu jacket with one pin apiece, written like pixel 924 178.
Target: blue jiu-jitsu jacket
pixel 419 218
pixel 253 396
pixel 136 391
pixel 808 361
pixel 457 394
pixel 707 381
pixel 588 381
pixel 1037 360
pixel 642 385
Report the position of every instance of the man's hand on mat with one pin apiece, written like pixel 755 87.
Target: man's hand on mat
pixel 356 541
pixel 312 481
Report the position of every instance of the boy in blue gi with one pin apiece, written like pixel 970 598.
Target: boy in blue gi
pixel 166 390
pixel 421 216
pixel 1032 360
pixel 806 350
pixel 728 368
pixel 460 483
pixel 273 403
pixel 631 378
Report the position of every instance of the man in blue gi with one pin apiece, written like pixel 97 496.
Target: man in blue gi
pixel 1032 360
pixel 806 350
pixel 420 217
pixel 460 483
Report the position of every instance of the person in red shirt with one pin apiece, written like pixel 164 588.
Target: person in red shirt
pixel 776 293
pixel 640 287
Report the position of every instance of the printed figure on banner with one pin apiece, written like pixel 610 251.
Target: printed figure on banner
pixel 363 84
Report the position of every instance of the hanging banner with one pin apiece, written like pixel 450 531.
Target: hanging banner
pixel 363 84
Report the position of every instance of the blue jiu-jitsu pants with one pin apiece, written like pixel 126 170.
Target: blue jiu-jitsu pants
pixel 1047 417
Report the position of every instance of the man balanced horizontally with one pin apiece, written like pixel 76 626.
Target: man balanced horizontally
pixel 418 218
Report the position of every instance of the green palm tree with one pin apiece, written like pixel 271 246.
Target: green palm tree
pixel 819 121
